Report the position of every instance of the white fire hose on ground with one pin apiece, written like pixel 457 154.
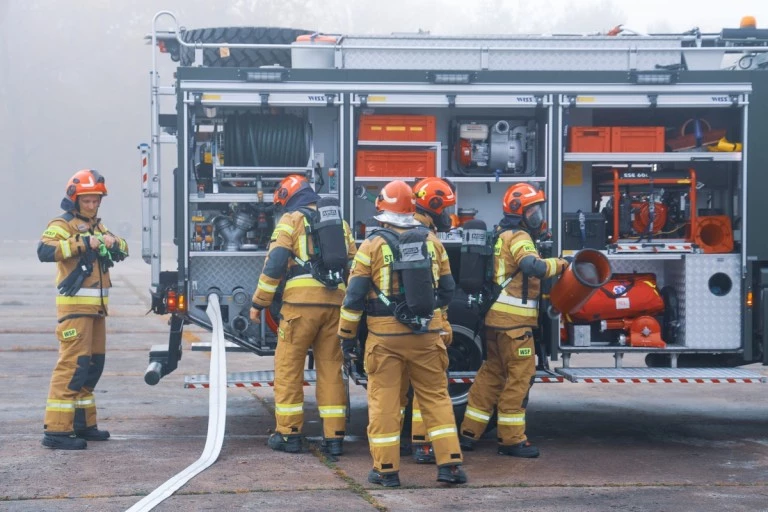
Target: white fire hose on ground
pixel 217 415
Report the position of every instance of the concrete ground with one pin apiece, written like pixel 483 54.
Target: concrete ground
pixel 648 447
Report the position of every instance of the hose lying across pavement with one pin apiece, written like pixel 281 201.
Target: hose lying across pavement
pixel 217 415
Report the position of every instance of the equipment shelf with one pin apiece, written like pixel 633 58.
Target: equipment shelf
pixel 261 253
pixel 711 156
pixel 245 197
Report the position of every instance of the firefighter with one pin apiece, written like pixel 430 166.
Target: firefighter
pixel 404 321
pixel 309 315
pixel 433 197
pixel 83 249
pixel 505 378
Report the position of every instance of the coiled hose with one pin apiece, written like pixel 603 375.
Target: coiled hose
pixel 262 140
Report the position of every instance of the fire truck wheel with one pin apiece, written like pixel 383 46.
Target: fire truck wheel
pixel 465 353
pixel 240 57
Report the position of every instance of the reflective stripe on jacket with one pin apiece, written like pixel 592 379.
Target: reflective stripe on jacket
pixel 289 240
pixel 511 309
pixel 62 242
pixel 373 264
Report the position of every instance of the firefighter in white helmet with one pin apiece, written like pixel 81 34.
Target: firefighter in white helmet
pixel 393 280
pixel 310 250
pixel 507 375
pixel 83 250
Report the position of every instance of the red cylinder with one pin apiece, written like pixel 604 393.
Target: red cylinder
pixel 589 271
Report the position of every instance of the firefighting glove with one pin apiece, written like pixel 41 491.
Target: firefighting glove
pixel 349 349
pixel 71 284
pixel 569 259
pixel 116 254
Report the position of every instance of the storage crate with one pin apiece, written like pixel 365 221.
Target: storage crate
pixel 380 164
pixel 637 139
pixel 594 231
pixel 590 139
pixel 402 128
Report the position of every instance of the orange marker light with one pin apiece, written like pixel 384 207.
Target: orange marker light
pixel 748 22
pixel 750 299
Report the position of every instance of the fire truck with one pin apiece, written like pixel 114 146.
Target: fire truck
pixel 650 149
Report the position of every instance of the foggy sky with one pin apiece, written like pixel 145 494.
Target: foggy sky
pixel 74 76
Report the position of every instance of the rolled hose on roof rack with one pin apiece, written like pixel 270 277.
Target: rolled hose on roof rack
pixel 262 140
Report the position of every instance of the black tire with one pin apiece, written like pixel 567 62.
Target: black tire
pixel 465 353
pixel 240 57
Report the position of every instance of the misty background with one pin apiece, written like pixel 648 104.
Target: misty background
pixel 74 76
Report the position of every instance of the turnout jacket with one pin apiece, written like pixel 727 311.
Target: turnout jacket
pixel 372 265
pixel 515 254
pixel 63 242
pixel 291 239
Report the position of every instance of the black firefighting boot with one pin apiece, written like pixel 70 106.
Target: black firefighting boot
pixel 385 479
pixel 290 443
pixel 451 474
pixel 423 453
pixel 467 443
pixel 333 446
pixel 92 434
pixel 524 449
pixel 63 442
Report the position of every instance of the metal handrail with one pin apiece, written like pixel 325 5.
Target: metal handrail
pixel 342 47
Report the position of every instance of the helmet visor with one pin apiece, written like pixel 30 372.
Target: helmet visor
pixel 534 216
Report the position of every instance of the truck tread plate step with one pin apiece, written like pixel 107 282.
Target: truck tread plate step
pixel 205 346
pixel 266 378
pixel 662 375
pixel 542 377
pixel 260 379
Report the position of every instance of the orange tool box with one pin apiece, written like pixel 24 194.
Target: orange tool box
pixel 637 139
pixel 398 128
pixel 403 164
pixel 590 139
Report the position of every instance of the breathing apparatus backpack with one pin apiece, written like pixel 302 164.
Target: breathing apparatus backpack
pixel 326 228
pixel 476 266
pixel 413 304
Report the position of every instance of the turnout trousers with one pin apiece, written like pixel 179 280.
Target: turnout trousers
pixel 418 429
pixel 423 358
pixel 71 405
pixel 302 327
pixel 503 381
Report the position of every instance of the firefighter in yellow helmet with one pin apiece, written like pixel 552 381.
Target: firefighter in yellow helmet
pixel 433 196
pixel 83 250
pixel 394 281
pixel 505 378
pixel 310 251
